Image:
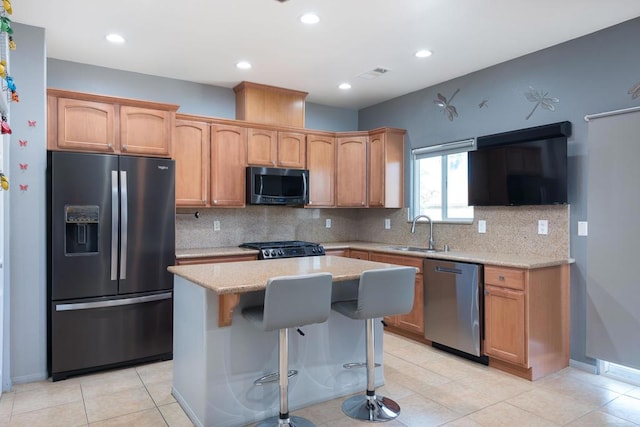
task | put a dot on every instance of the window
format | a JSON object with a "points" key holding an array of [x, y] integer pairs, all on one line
{"points": [[440, 181]]}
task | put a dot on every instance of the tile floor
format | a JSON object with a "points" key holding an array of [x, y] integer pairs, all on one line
{"points": [[432, 388]]}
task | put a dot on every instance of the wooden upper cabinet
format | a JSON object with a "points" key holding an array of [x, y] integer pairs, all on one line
{"points": [[292, 149], [274, 148], [145, 131], [321, 162], [262, 146], [76, 124], [105, 124], [386, 168], [269, 104], [351, 177], [228, 165], [191, 153]]}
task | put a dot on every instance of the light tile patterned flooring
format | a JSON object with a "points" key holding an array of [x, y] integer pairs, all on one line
{"points": [[432, 388]]}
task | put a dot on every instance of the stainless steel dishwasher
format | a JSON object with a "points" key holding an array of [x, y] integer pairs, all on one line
{"points": [[453, 307]]}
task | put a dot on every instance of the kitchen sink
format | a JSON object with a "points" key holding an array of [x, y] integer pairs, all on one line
{"points": [[412, 249]]}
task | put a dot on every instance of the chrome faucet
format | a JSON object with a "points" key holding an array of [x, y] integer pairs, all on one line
{"points": [[413, 230]]}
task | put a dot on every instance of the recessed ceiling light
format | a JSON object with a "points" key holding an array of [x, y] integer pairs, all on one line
{"points": [[344, 86], [310, 18], [243, 65], [423, 53], [115, 38]]}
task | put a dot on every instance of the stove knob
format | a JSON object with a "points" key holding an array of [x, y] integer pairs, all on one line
{"points": [[313, 250], [281, 252], [273, 252]]}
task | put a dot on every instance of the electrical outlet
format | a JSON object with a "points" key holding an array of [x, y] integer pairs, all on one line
{"points": [[216, 225], [482, 226], [327, 222], [543, 226], [387, 224], [583, 228]]}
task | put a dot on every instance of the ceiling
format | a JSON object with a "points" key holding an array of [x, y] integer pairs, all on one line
{"points": [[201, 41]]}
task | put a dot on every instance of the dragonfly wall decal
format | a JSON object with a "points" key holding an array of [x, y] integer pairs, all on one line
{"points": [[541, 100], [446, 106]]}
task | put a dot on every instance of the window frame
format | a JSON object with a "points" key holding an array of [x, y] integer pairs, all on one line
{"points": [[442, 151]]}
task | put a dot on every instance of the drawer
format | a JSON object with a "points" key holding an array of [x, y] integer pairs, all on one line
{"points": [[398, 259], [504, 277]]}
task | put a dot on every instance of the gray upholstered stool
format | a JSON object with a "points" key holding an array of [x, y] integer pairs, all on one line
{"points": [[380, 293], [290, 302]]}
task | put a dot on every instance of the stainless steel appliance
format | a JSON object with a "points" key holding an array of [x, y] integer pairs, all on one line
{"points": [[452, 307], [277, 186], [285, 249], [110, 238]]}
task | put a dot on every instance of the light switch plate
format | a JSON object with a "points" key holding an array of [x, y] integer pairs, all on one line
{"points": [[583, 228], [216, 225], [327, 222], [387, 224], [482, 226], [543, 226]]}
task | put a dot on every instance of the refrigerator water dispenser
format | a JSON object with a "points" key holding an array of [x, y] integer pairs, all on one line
{"points": [[81, 234]]}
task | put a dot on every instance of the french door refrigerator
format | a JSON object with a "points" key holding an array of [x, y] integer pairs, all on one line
{"points": [[110, 238]]}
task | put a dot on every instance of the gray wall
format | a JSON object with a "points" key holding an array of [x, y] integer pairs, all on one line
{"points": [[588, 75], [193, 98], [27, 348]]}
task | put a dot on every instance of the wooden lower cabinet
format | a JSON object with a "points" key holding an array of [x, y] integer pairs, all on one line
{"points": [[337, 252], [354, 253], [412, 322], [527, 319]]}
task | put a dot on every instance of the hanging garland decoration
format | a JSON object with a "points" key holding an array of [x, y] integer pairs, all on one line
{"points": [[6, 35]]}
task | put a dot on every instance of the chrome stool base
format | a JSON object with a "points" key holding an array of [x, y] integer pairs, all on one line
{"points": [[293, 422], [371, 408]]}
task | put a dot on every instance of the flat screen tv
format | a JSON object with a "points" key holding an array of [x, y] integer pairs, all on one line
{"points": [[525, 167]]}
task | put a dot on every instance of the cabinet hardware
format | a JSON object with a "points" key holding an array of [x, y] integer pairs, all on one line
{"points": [[501, 278]]}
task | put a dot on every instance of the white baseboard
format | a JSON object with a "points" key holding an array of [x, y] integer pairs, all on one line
{"points": [[587, 367]]}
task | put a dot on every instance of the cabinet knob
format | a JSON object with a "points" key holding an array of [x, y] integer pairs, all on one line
{"points": [[110, 147], [486, 292], [124, 148]]}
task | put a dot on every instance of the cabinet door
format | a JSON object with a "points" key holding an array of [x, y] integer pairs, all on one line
{"points": [[321, 162], [292, 150], [351, 180], [261, 147], [145, 131], [191, 153], [376, 170], [354, 253], [505, 334], [84, 126], [228, 165], [414, 320]]}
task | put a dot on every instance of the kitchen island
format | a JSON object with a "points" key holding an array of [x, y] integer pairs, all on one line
{"points": [[218, 354]]}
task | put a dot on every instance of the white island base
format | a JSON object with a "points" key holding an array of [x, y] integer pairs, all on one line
{"points": [[214, 367]]}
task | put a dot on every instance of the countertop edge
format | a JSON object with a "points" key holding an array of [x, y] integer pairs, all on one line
{"points": [[497, 259]]}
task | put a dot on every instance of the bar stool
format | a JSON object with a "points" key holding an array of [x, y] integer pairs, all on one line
{"points": [[290, 301], [381, 293]]}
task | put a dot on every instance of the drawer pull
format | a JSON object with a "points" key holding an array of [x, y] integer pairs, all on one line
{"points": [[501, 278]]}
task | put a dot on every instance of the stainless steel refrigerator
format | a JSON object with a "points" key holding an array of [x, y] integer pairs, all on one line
{"points": [[111, 236]]}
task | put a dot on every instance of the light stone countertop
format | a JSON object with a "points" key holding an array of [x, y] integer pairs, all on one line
{"points": [[248, 276], [498, 259]]}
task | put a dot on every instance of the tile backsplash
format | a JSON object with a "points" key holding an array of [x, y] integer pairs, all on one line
{"points": [[509, 229]]}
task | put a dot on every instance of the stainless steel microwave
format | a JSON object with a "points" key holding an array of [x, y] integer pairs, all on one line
{"points": [[275, 186]]}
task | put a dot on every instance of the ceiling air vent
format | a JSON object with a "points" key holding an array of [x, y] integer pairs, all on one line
{"points": [[375, 73]]}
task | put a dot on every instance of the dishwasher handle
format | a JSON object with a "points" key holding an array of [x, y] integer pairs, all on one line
{"points": [[448, 270]]}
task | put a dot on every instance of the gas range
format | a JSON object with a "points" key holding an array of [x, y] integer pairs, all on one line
{"points": [[285, 249]]}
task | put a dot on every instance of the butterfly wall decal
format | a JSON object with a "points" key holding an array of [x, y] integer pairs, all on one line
{"points": [[32, 123], [23, 142], [24, 187], [23, 166]]}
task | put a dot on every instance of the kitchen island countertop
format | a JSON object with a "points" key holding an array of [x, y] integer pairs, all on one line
{"points": [[248, 276]]}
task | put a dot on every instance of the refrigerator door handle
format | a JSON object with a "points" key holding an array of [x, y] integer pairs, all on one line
{"points": [[114, 225], [125, 220], [112, 303]]}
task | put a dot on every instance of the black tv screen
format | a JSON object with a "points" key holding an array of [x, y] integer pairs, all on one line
{"points": [[523, 173]]}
